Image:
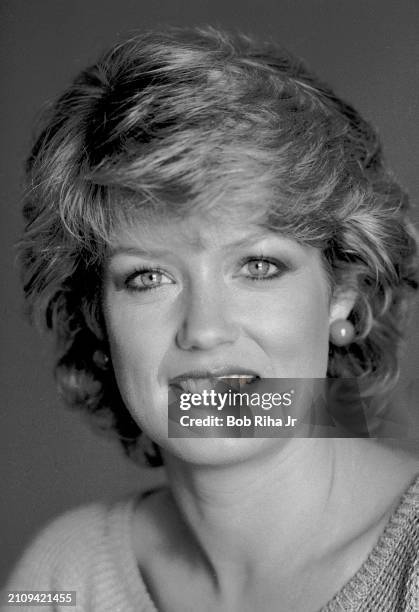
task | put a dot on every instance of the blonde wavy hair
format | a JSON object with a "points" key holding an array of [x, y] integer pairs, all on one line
{"points": [[187, 119]]}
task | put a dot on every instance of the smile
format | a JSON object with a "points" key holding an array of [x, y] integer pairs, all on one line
{"points": [[200, 384]]}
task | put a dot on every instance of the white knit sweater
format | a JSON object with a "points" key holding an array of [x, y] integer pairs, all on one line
{"points": [[89, 550]]}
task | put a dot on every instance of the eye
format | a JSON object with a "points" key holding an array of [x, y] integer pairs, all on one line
{"points": [[261, 268], [145, 279]]}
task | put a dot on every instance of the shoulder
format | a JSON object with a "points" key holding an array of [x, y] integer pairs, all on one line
{"points": [[382, 474], [74, 525], [67, 547], [378, 481], [87, 550], [391, 503], [395, 559]]}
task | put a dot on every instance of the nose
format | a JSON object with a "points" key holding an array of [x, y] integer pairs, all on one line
{"points": [[207, 320]]}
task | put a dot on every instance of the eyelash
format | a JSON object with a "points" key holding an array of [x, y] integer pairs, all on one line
{"points": [[137, 272], [281, 267]]}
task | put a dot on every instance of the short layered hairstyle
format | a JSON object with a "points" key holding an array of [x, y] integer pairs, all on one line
{"points": [[187, 120]]}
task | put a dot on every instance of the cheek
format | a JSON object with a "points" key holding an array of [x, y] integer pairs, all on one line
{"points": [[137, 349], [293, 329], [137, 336], [312, 335]]}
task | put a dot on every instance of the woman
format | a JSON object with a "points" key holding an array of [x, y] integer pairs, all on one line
{"points": [[201, 209]]}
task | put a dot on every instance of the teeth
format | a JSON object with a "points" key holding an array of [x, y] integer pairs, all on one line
{"points": [[198, 385], [242, 379]]}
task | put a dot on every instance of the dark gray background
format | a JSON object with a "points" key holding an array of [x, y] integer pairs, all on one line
{"points": [[367, 49]]}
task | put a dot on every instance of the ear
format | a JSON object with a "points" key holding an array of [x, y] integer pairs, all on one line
{"points": [[341, 304]]}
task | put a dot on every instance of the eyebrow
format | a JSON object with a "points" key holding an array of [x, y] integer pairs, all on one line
{"points": [[198, 245], [132, 250]]}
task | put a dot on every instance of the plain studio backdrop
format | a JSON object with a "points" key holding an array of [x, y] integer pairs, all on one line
{"points": [[368, 50]]}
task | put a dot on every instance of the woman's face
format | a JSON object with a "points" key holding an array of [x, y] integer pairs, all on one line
{"points": [[204, 295]]}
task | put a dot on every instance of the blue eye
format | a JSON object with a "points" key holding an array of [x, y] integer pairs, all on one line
{"points": [[146, 279], [261, 268]]}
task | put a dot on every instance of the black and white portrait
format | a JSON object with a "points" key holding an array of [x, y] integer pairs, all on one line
{"points": [[210, 278]]}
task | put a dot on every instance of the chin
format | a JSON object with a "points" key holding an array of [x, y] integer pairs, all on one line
{"points": [[219, 451]]}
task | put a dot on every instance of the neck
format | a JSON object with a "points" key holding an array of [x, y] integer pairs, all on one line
{"points": [[259, 512]]}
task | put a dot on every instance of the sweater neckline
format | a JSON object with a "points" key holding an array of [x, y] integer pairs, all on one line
{"points": [[359, 586], [352, 592]]}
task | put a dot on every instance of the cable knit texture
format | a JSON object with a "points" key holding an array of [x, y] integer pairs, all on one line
{"points": [[89, 550]]}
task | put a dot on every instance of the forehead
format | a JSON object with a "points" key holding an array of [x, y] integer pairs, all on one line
{"points": [[196, 234], [198, 231]]}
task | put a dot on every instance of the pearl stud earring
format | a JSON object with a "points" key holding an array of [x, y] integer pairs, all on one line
{"points": [[341, 332]]}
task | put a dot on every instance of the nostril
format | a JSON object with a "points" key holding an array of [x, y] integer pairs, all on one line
{"points": [[205, 336]]}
